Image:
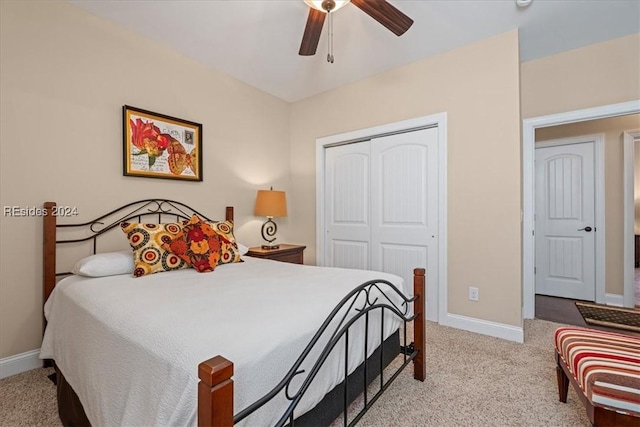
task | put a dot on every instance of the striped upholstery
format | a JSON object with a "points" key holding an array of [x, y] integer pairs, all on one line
{"points": [[606, 366]]}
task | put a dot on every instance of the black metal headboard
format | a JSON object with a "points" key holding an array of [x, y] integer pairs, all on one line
{"points": [[148, 209]]}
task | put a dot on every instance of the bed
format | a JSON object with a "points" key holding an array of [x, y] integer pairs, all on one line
{"points": [[288, 341]]}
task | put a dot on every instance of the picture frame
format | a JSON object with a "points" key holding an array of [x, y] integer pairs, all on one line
{"points": [[159, 146]]}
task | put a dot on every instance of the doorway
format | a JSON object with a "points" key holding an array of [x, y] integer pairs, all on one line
{"points": [[528, 174]]}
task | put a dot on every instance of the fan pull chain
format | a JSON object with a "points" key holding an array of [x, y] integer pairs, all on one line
{"points": [[330, 54]]}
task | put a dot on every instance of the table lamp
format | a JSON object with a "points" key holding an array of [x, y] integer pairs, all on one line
{"points": [[271, 204]]}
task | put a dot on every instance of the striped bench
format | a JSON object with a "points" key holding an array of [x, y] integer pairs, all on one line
{"points": [[604, 369]]}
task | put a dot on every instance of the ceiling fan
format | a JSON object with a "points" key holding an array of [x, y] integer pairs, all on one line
{"points": [[380, 10]]}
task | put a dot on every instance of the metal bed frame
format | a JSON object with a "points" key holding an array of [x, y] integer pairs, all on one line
{"points": [[215, 389]]}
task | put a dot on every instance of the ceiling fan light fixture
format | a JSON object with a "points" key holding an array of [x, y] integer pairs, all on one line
{"points": [[523, 3], [319, 10], [321, 4]]}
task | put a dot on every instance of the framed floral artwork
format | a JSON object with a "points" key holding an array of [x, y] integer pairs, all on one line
{"points": [[160, 146]]}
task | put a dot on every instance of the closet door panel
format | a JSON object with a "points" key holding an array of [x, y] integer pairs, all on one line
{"points": [[347, 200], [404, 211]]}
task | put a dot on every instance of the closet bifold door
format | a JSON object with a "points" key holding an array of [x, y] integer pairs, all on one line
{"points": [[347, 206], [404, 207], [381, 206]]}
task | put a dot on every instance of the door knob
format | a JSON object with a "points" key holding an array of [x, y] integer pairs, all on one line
{"points": [[587, 229]]}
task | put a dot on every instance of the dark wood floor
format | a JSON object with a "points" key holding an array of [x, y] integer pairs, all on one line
{"points": [[559, 310], [564, 310]]}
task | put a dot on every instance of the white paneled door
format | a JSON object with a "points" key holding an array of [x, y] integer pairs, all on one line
{"points": [[565, 221], [347, 206], [381, 201]]}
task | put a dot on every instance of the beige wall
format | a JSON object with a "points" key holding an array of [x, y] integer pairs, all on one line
{"points": [[592, 76], [64, 77], [612, 129], [478, 86]]}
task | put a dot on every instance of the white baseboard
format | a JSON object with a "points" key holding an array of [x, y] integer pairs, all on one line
{"points": [[485, 327], [614, 299], [20, 363]]}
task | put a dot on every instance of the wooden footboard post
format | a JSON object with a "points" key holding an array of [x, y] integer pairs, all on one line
{"points": [[215, 393], [419, 367]]}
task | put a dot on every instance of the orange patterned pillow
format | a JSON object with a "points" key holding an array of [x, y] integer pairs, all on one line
{"points": [[146, 240], [229, 251], [197, 244]]}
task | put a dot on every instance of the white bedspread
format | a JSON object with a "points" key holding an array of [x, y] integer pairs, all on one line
{"points": [[130, 347]]}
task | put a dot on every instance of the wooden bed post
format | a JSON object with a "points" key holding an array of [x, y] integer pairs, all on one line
{"points": [[48, 251], [48, 261], [419, 367], [215, 393]]}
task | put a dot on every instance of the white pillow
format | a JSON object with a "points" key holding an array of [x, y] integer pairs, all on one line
{"points": [[242, 248], [105, 264]]}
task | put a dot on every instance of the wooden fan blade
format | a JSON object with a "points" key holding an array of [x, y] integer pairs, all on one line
{"points": [[312, 32], [386, 14]]}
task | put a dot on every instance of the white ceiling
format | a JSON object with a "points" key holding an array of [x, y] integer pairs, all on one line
{"points": [[257, 41]]}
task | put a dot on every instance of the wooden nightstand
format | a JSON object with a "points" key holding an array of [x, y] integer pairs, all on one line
{"points": [[286, 253]]}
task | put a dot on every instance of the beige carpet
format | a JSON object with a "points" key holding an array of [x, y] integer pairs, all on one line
{"points": [[29, 399], [472, 380]]}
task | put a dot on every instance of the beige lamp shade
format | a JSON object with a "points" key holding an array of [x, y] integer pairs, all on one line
{"points": [[271, 203]]}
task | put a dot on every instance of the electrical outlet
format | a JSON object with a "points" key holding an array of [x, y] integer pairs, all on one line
{"points": [[474, 294]]}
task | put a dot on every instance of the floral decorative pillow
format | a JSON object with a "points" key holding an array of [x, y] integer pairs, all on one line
{"points": [[146, 240], [198, 244]]}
